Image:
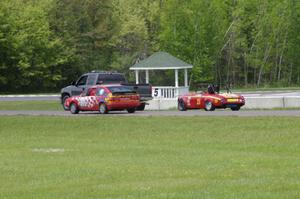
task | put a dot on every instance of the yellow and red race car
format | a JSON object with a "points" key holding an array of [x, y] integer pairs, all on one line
{"points": [[210, 100]]}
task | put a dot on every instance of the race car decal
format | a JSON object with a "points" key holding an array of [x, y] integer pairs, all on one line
{"points": [[87, 101], [82, 102]]}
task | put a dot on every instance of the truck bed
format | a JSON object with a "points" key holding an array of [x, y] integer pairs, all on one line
{"points": [[144, 90]]}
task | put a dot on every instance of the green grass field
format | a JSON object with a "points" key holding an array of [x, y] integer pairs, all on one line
{"points": [[149, 157], [31, 105]]}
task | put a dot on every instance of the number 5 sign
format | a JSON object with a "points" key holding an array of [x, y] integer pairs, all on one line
{"points": [[155, 92]]}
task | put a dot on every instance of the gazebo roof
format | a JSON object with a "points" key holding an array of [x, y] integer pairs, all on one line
{"points": [[160, 61]]}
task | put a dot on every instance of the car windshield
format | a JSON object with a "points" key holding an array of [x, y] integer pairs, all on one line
{"points": [[121, 89]]}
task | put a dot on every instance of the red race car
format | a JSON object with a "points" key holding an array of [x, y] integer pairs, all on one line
{"points": [[104, 98], [210, 100]]}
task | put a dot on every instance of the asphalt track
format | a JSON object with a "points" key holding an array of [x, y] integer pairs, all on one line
{"points": [[241, 113], [189, 113]]}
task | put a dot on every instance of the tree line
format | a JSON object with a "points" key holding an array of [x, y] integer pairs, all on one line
{"points": [[45, 44]]}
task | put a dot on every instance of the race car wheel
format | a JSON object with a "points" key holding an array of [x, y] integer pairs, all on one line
{"points": [[131, 110], [237, 108], [209, 106], [103, 108], [65, 97], [74, 109], [141, 107], [181, 105]]}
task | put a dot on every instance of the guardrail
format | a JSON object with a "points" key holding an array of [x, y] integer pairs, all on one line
{"points": [[270, 102]]}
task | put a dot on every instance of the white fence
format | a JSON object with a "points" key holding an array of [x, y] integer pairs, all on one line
{"points": [[163, 92]]}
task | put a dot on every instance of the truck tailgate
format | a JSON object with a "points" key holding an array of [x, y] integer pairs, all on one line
{"points": [[144, 90]]}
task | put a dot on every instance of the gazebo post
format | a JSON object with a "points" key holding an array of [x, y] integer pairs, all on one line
{"points": [[147, 76], [176, 78], [136, 76], [176, 83], [185, 77]]}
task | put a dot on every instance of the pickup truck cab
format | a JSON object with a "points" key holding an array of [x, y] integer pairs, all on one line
{"points": [[93, 78]]}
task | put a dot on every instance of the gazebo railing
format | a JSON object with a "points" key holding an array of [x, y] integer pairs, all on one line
{"points": [[168, 92]]}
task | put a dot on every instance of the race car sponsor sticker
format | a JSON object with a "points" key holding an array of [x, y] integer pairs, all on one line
{"points": [[232, 100]]}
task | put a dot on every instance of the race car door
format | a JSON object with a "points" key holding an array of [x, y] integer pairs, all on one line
{"points": [[89, 102], [195, 101]]}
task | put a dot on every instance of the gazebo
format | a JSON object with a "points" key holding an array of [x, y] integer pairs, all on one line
{"points": [[164, 61]]}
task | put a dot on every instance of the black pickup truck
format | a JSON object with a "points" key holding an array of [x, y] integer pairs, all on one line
{"points": [[103, 77]]}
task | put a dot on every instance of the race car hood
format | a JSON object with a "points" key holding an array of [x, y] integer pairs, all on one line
{"points": [[229, 95]]}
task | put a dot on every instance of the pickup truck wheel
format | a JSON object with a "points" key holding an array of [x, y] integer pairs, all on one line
{"points": [[103, 108], [65, 97], [131, 110], [181, 105], [74, 109], [141, 107], [237, 108], [209, 106]]}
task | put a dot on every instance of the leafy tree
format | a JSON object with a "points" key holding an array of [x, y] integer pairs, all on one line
{"points": [[33, 54], [190, 33], [135, 34], [45, 44], [85, 28]]}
